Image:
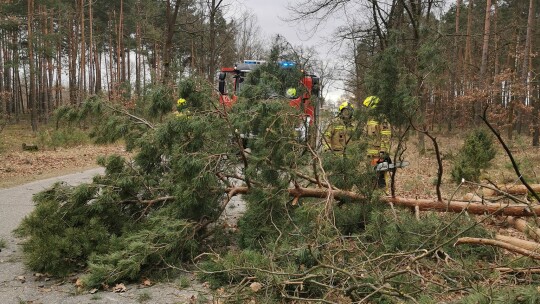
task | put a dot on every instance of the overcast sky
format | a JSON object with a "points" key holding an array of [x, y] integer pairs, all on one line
{"points": [[271, 15]]}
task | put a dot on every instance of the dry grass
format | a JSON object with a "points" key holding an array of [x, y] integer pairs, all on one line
{"points": [[419, 178], [18, 166]]}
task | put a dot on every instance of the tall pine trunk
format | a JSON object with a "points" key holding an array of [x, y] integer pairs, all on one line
{"points": [[32, 73]]}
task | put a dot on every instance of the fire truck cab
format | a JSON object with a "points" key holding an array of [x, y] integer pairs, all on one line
{"points": [[309, 82]]}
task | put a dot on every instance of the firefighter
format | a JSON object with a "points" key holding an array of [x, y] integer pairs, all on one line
{"points": [[338, 132], [378, 135], [181, 108]]}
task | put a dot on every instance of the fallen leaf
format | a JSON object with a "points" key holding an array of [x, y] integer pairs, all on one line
{"points": [[22, 279], [79, 283], [93, 291], [120, 288], [147, 282], [255, 286]]}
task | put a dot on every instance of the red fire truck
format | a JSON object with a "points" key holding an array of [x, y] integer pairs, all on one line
{"points": [[304, 102]]}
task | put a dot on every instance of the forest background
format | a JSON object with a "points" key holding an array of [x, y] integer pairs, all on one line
{"points": [[57, 52]]}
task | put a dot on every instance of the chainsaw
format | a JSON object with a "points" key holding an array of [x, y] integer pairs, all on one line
{"points": [[385, 166]]}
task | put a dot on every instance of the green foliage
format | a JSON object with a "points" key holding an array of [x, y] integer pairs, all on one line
{"points": [[62, 138], [141, 214], [475, 155], [197, 92], [393, 86], [402, 233], [508, 295], [162, 240], [235, 267], [184, 282], [265, 212], [161, 101], [351, 218], [3, 243], [98, 115], [349, 170], [64, 230], [163, 206]]}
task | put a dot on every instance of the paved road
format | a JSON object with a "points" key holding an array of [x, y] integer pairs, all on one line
{"points": [[20, 285]]}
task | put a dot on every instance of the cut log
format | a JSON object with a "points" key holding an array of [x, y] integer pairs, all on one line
{"points": [[423, 204], [459, 206], [528, 245], [510, 189], [526, 228], [471, 197], [26, 147], [500, 244]]}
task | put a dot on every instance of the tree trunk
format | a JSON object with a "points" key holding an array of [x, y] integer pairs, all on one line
{"points": [[138, 56], [527, 47], [91, 62], [421, 204], [524, 227], [72, 59], [468, 52], [82, 70], [528, 245], [58, 85], [32, 73], [485, 44], [455, 80], [212, 51], [501, 244], [510, 189], [167, 50]]}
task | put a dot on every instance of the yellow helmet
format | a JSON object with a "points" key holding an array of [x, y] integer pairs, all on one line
{"points": [[371, 101], [181, 104], [291, 92], [344, 105]]}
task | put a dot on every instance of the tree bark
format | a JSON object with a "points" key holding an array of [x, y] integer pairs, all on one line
{"points": [[82, 70], [422, 204], [511, 189], [524, 227], [527, 245], [485, 44], [32, 73], [167, 50], [504, 245]]}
